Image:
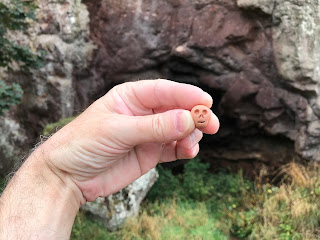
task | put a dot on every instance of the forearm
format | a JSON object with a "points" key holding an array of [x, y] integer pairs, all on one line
{"points": [[37, 204]]}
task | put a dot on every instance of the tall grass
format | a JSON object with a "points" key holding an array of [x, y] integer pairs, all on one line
{"points": [[197, 204], [292, 210]]}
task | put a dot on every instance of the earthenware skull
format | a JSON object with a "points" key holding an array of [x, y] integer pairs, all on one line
{"points": [[201, 115]]}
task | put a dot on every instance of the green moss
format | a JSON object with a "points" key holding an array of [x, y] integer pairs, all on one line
{"points": [[53, 127]]}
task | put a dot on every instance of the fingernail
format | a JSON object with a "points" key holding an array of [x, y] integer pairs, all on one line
{"points": [[182, 121]]}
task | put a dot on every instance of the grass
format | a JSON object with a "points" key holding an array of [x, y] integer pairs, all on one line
{"points": [[199, 205], [169, 220], [173, 220], [291, 211], [86, 227]]}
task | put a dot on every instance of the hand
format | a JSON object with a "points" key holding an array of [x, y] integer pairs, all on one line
{"points": [[126, 133]]}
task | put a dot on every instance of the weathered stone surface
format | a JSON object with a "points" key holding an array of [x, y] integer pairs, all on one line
{"points": [[116, 208], [62, 31], [295, 35], [11, 142], [258, 58]]}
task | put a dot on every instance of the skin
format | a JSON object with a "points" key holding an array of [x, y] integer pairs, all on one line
{"points": [[116, 140]]}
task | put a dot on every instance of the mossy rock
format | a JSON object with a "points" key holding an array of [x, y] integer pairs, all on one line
{"points": [[53, 127]]}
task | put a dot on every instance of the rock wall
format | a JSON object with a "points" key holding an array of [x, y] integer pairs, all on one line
{"points": [[63, 32], [296, 42], [258, 59]]}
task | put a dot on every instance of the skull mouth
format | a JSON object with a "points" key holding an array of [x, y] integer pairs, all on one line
{"points": [[201, 121]]}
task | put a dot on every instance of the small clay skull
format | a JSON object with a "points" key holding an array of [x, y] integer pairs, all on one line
{"points": [[201, 116]]}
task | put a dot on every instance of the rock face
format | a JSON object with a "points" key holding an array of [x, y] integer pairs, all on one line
{"points": [[115, 209], [295, 36], [63, 32], [258, 59]]}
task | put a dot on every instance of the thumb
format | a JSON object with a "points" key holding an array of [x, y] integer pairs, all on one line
{"points": [[164, 127]]}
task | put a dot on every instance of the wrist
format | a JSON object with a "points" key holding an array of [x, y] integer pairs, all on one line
{"points": [[58, 180], [37, 202]]}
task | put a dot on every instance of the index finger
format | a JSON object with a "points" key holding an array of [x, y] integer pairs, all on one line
{"points": [[155, 94]]}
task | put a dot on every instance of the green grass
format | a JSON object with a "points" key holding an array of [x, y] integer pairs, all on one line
{"points": [[86, 227], [173, 220]]}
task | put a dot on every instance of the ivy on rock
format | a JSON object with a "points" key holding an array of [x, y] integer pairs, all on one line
{"points": [[16, 15]]}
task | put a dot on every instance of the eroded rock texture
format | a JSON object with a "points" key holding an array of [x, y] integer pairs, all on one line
{"points": [[63, 32]]}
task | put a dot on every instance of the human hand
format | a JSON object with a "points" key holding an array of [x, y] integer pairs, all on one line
{"points": [[126, 133]]}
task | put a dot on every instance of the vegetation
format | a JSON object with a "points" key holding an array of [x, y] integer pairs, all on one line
{"points": [[86, 227], [201, 205], [9, 95], [53, 127], [15, 16], [291, 211]]}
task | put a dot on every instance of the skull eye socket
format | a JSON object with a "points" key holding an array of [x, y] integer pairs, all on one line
{"points": [[197, 111], [204, 112]]}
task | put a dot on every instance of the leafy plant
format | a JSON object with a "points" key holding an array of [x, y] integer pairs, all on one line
{"points": [[15, 16], [195, 179], [9, 95], [167, 181]]}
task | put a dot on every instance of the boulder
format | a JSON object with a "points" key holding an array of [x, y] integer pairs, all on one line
{"points": [[115, 209]]}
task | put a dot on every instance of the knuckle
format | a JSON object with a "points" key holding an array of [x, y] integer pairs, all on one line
{"points": [[158, 127]]}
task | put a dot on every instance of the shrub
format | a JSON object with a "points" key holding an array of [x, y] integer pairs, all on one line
{"points": [[195, 180], [167, 186], [9, 95], [15, 16]]}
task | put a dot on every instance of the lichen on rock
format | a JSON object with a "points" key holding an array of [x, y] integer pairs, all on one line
{"points": [[115, 209]]}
